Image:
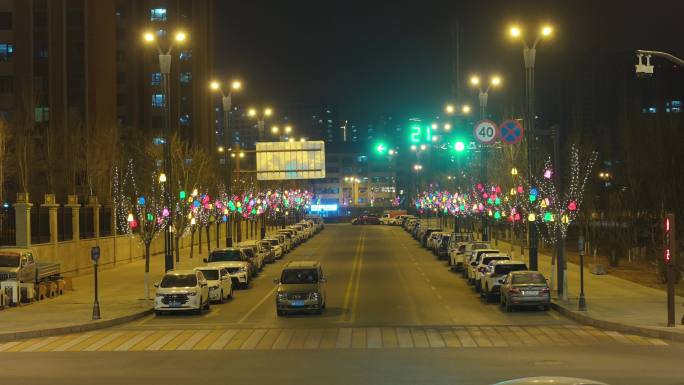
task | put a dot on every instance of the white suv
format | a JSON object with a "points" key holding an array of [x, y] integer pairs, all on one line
{"points": [[459, 252], [494, 276], [482, 267], [234, 260], [181, 290], [474, 260]]}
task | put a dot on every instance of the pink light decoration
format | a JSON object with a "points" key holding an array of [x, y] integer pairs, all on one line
{"points": [[520, 189], [572, 206], [485, 195], [548, 173], [498, 189], [165, 212]]}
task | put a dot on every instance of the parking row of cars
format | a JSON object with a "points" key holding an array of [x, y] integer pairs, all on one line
{"points": [[228, 268], [492, 273]]}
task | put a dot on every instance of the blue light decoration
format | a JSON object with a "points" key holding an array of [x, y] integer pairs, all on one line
{"points": [[196, 203], [141, 201]]}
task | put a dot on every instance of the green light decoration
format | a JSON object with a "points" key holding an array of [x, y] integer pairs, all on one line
{"points": [[497, 201], [548, 217], [239, 210], [212, 218], [182, 195], [533, 198], [497, 215], [150, 217], [490, 201], [231, 206]]}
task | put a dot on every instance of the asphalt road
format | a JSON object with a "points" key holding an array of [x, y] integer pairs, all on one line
{"points": [[395, 315]]}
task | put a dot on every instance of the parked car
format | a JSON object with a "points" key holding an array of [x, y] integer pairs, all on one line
{"points": [[550, 380], [255, 253], [430, 241], [366, 220], [442, 248], [274, 250], [496, 272], [475, 260], [301, 287], [182, 290], [252, 259], [460, 251], [235, 261], [426, 234], [22, 264], [287, 238], [481, 268], [525, 288], [219, 282]]}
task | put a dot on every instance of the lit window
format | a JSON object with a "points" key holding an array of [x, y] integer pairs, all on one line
{"points": [[185, 119], [42, 114], [157, 100], [158, 141], [185, 77], [158, 14], [156, 79], [652, 110], [676, 103], [6, 51]]}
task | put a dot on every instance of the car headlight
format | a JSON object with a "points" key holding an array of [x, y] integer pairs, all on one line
{"points": [[160, 295], [192, 293], [282, 296], [313, 296], [242, 270]]}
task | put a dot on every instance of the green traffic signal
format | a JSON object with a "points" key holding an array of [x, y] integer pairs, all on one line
{"points": [[381, 148], [459, 146]]}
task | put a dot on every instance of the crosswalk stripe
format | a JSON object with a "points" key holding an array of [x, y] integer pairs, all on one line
{"points": [[569, 336], [619, 337], [510, 337], [205, 342], [133, 341], [238, 339], [57, 342], [553, 336], [147, 341], [269, 339], [419, 338], [329, 339], [313, 339], [113, 344], [102, 342], [435, 339], [193, 340], [497, 339], [656, 341], [40, 344], [526, 338], [298, 339], [389, 338], [358, 338], [70, 343], [374, 338], [179, 340], [165, 339], [450, 338], [464, 337], [223, 340], [23, 345], [8, 345], [283, 339], [479, 337], [582, 334], [252, 341], [344, 337], [404, 338]]}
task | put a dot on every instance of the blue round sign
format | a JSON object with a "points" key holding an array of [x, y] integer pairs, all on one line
{"points": [[511, 132]]}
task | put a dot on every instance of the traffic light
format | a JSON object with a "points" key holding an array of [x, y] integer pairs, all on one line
{"points": [[380, 148], [459, 146], [668, 238]]}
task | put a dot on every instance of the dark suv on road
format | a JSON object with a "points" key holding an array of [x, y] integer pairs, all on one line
{"points": [[301, 287]]}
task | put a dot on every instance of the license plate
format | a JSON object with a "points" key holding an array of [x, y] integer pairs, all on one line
{"points": [[175, 304], [531, 292], [298, 303]]}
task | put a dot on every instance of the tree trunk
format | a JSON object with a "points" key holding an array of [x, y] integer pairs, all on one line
{"points": [[208, 229], [147, 269], [218, 233], [192, 241], [176, 241], [199, 244]]}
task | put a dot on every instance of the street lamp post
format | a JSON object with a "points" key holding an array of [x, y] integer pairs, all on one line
{"points": [[483, 95], [165, 69], [226, 103], [529, 56], [261, 124]]}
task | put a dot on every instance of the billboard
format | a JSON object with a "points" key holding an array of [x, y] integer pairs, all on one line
{"points": [[290, 160]]}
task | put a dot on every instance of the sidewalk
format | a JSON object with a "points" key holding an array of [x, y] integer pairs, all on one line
{"points": [[121, 298]]}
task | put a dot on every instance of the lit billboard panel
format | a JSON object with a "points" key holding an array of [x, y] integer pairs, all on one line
{"points": [[290, 160]]}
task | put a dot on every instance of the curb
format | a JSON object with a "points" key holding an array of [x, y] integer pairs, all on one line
{"points": [[78, 328], [623, 328]]}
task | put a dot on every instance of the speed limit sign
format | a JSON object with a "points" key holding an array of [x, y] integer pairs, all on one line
{"points": [[485, 131]]}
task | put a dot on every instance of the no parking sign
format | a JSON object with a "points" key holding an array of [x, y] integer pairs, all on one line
{"points": [[511, 132]]}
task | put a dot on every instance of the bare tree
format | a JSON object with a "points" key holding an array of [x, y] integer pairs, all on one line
{"points": [[5, 137]]}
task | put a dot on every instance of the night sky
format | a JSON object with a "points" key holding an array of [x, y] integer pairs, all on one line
{"points": [[373, 58]]}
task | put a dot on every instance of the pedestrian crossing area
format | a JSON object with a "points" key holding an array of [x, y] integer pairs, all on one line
{"points": [[329, 338]]}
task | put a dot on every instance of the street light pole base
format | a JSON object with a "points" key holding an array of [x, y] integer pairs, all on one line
{"points": [[96, 311], [582, 304]]}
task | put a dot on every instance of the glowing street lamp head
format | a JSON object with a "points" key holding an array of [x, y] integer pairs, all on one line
{"points": [[474, 80], [515, 31], [236, 85], [413, 147], [181, 37], [162, 177], [449, 108], [423, 147], [221, 149], [288, 129], [214, 85], [547, 30], [291, 140], [466, 109], [242, 155], [302, 140], [496, 81], [148, 37], [251, 112], [447, 126], [274, 129], [268, 112]]}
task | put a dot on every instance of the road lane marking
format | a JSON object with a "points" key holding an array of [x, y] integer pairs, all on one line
{"points": [[434, 338], [269, 339], [133, 341], [358, 338], [102, 342], [389, 338], [253, 340], [194, 340], [404, 338], [344, 337], [357, 284], [419, 338], [257, 305], [313, 339], [73, 342], [238, 339], [464, 337], [165, 339], [283, 339], [39, 344], [348, 304], [374, 338]]}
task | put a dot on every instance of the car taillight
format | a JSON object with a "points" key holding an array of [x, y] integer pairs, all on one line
{"points": [[545, 290], [515, 290]]}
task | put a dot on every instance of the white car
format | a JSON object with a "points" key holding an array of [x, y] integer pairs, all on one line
{"points": [[274, 244], [219, 282], [482, 267], [234, 260], [286, 239], [181, 290], [460, 251], [496, 272], [386, 219], [474, 261], [274, 251], [253, 251]]}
